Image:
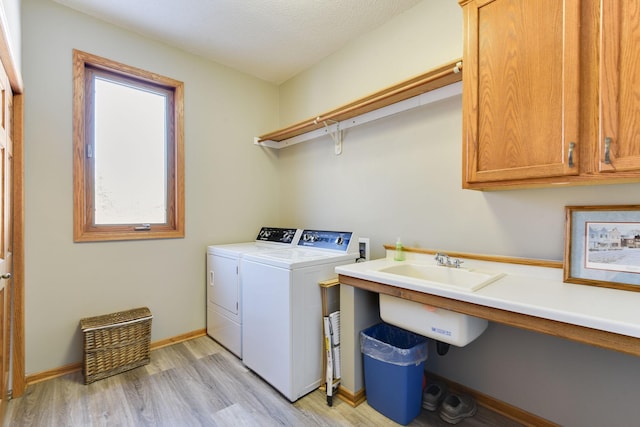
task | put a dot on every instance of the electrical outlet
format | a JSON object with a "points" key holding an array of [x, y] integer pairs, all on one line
{"points": [[365, 254]]}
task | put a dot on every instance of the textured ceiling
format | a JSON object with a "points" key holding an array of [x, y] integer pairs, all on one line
{"points": [[270, 39]]}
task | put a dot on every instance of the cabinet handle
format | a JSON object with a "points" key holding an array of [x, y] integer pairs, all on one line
{"points": [[572, 145], [607, 150]]}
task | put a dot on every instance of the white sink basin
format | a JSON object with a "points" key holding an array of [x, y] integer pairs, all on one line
{"points": [[437, 323], [459, 278]]}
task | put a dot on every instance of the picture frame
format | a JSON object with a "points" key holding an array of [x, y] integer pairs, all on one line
{"points": [[602, 246]]}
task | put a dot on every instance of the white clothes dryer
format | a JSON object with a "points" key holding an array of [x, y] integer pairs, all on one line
{"points": [[282, 308], [224, 297]]}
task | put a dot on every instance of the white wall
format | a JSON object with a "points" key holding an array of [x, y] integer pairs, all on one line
{"points": [[231, 186], [401, 176], [376, 60]]}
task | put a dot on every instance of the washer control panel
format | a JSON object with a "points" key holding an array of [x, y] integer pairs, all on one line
{"points": [[278, 235], [335, 240]]}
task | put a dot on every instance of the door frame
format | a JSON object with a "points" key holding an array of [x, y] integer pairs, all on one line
{"points": [[7, 58], [18, 374]]}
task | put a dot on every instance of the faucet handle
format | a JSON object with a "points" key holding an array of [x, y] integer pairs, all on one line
{"points": [[456, 262]]}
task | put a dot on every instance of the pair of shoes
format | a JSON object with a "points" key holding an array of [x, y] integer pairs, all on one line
{"points": [[433, 395], [457, 407]]}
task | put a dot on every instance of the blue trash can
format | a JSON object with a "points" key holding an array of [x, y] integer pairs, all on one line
{"points": [[393, 369]]}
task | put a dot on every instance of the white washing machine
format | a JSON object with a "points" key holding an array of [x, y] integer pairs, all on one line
{"points": [[224, 303], [282, 308]]}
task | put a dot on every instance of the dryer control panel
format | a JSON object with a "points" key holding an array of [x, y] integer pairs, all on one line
{"points": [[335, 240], [278, 235]]}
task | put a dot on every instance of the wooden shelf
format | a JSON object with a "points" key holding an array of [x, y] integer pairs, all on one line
{"points": [[434, 79]]}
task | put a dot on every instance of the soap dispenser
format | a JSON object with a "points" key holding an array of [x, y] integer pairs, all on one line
{"points": [[399, 256]]}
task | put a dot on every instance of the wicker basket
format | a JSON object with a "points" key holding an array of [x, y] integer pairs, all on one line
{"points": [[116, 342]]}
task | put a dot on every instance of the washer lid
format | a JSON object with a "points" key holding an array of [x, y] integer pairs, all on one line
{"points": [[295, 258]]}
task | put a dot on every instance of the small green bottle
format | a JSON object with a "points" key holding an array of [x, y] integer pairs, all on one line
{"points": [[399, 251]]}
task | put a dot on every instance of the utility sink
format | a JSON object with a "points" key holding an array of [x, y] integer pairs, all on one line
{"points": [[442, 325], [459, 278]]}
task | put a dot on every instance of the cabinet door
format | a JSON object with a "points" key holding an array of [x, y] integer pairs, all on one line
{"points": [[521, 92], [224, 282], [619, 133]]}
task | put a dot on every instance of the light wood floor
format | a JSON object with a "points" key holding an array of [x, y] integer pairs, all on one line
{"points": [[194, 383]]}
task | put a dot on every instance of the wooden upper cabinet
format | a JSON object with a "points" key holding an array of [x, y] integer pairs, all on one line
{"points": [[619, 106], [521, 90]]}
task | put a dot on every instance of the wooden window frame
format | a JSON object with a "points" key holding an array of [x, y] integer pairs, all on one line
{"points": [[84, 229]]}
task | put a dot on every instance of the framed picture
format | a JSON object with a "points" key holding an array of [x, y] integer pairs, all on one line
{"points": [[602, 246]]}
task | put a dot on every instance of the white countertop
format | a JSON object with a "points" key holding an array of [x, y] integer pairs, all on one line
{"points": [[531, 290]]}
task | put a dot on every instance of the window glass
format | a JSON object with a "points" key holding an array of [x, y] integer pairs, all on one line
{"points": [[130, 154]]}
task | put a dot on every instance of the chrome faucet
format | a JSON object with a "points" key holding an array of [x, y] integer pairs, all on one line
{"points": [[444, 260], [440, 259]]}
